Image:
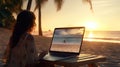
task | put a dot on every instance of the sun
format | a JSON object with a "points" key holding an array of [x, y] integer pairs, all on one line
{"points": [[91, 25]]}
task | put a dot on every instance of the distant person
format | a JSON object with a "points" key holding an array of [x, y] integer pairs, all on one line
{"points": [[21, 50], [64, 41]]}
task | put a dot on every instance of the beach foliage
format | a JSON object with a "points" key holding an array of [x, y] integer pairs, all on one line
{"points": [[10, 7], [58, 3], [7, 8], [39, 4]]}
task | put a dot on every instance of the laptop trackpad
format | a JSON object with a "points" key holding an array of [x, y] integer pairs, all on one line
{"points": [[52, 58]]}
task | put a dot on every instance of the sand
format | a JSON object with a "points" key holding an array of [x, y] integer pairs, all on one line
{"points": [[110, 50]]}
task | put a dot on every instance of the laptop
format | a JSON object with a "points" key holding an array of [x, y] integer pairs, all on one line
{"points": [[66, 43]]}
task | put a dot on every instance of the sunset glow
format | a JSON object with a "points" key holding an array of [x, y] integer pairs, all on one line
{"points": [[75, 13], [90, 36], [91, 25]]}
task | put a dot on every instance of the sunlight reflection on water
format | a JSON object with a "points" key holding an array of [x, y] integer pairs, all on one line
{"points": [[101, 37]]}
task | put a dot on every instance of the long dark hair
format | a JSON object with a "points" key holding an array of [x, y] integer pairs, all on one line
{"points": [[24, 23]]}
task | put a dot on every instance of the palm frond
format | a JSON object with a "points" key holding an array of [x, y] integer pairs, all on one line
{"points": [[59, 4], [14, 5], [90, 2], [29, 4], [39, 2]]}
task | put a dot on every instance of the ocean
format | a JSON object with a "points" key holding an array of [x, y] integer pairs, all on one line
{"points": [[103, 36], [100, 36]]}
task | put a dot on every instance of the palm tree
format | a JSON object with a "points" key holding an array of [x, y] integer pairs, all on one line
{"points": [[39, 4], [29, 4], [58, 3], [15, 6]]}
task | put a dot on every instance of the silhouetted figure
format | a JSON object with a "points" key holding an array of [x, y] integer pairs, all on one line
{"points": [[21, 50], [64, 41]]}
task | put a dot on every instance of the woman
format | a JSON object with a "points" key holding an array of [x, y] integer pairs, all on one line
{"points": [[21, 50]]}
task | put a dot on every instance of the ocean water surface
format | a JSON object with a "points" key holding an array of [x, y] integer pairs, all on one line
{"points": [[100, 36], [103, 36]]}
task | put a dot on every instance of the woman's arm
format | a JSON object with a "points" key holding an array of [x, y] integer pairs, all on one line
{"points": [[31, 48]]}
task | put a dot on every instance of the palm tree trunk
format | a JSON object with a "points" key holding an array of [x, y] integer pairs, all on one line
{"points": [[29, 4], [39, 19]]}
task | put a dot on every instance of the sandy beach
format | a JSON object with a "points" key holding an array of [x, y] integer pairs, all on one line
{"points": [[110, 50]]}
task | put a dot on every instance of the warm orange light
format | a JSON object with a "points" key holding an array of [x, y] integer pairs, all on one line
{"points": [[90, 36], [91, 25]]}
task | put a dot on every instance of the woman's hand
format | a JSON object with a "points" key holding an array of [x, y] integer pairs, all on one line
{"points": [[42, 54]]}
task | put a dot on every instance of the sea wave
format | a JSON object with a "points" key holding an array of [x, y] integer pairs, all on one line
{"points": [[111, 40], [103, 36], [116, 38]]}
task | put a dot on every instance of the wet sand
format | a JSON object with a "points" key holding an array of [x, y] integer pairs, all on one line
{"points": [[110, 50]]}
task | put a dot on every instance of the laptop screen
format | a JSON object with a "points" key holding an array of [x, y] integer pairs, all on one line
{"points": [[67, 39]]}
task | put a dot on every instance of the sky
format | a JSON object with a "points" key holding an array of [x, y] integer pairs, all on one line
{"points": [[105, 15]]}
